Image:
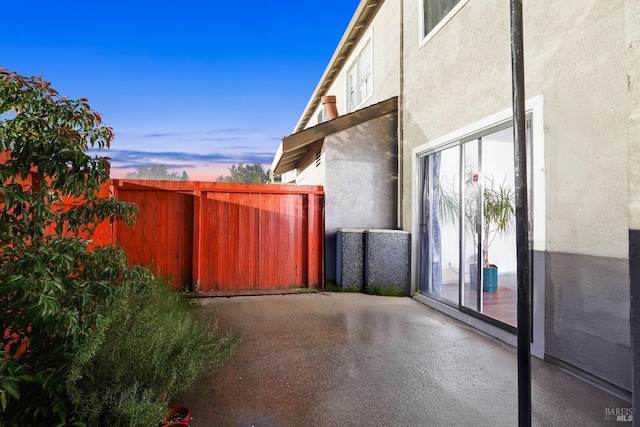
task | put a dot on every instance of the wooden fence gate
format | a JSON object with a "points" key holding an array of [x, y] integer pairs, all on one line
{"points": [[215, 238]]}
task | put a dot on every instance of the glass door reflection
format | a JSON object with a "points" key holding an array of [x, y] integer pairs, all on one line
{"points": [[470, 236], [497, 233], [467, 233], [439, 225]]}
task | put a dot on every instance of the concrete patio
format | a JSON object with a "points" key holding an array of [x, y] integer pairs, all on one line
{"points": [[341, 359]]}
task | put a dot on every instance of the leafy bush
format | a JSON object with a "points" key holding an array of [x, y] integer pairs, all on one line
{"points": [[87, 316], [152, 347]]}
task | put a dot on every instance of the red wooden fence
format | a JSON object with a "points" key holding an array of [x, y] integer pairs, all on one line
{"points": [[226, 238], [215, 238], [163, 234]]}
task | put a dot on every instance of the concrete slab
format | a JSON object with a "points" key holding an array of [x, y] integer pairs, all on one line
{"points": [[341, 359]]}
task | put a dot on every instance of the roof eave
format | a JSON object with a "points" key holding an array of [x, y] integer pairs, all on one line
{"points": [[359, 22], [293, 147]]}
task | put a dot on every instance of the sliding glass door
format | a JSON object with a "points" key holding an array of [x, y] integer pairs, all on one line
{"points": [[497, 232], [467, 232], [439, 225]]}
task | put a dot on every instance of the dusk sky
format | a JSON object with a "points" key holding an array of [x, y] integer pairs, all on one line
{"points": [[195, 85]]}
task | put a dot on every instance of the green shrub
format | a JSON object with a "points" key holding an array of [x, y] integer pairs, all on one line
{"points": [[108, 343], [333, 287], [387, 291], [154, 347]]}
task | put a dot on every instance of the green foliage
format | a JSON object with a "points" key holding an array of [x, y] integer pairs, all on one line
{"points": [[498, 209], [333, 287], [330, 286], [153, 347], [309, 290], [50, 282], [48, 135], [66, 299], [157, 172], [248, 174], [499, 212], [387, 291]]}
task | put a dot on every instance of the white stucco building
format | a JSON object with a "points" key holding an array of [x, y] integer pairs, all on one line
{"points": [[446, 67]]}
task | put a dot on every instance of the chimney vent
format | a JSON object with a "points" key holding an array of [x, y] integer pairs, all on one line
{"points": [[329, 102]]}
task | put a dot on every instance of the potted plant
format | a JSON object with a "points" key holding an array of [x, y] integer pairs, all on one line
{"points": [[499, 212]]}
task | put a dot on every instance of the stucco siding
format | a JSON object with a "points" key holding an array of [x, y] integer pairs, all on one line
{"points": [[453, 80], [632, 19], [582, 69], [582, 61], [361, 181], [588, 315], [463, 74], [311, 171], [386, 57], [586, 108]]}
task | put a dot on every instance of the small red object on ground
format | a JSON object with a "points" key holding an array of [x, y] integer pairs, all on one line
{"points": [[178, 416]]}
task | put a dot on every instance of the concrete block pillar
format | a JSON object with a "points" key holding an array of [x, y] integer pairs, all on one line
{"points": [[350, 258], [387, 259]]}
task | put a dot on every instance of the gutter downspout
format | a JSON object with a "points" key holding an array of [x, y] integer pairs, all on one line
{"points": [[400, 207]]}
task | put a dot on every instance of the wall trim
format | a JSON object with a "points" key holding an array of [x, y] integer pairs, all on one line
{"points": [[589, 378]]}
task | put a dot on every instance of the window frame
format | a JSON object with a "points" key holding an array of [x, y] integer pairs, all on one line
{"points": [[535, 111], [424, 38], [354, 61]]}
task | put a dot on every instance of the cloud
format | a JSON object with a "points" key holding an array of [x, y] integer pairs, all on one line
{"points": [[131, 159], [229, 130], [206, 153], [157, 135], [213, 135], [221, 138]]}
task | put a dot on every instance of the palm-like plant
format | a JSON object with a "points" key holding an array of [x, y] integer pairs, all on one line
{"points": [[499, 212], [498, 209]]}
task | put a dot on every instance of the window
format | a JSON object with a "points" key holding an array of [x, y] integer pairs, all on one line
{"points": [[322, 115], [360, 78], [436, 13]]}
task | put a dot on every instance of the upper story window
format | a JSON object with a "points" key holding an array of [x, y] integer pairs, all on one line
{"points": [[435, 14], [322, 115], [360, 77]]}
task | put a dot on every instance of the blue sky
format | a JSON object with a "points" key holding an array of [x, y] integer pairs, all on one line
{"points": [[195, 85]]}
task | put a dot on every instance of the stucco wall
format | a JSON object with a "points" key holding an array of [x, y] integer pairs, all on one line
{"points": [[633, 67], [453, 80], [361, 181], [576, 57], [310, 171], [633, 71], [463, 75], [587, 321]]}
